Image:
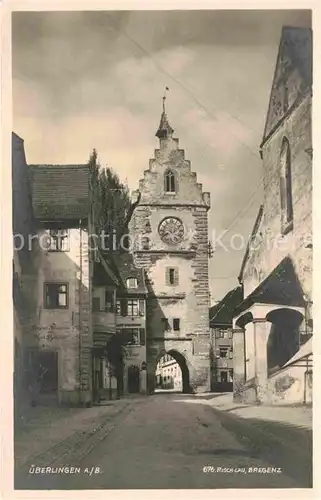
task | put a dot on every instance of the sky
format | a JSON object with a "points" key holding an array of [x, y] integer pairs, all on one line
{"points": [[84, 80]]}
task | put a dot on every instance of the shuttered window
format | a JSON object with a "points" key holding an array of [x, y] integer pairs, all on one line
{"points": [[123, 307], [142, 336], [109, 301], [96, 304], [141, 307]]}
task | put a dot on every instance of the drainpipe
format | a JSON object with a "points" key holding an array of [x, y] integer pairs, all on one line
{"points": [[240, 280], [79, 325], [306, 302]]}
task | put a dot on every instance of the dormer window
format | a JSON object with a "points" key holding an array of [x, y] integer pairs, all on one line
{"points": [[286, 188], [132, 283], [170, 182]]}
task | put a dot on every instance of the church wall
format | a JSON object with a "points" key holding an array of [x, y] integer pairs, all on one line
{"points": [[273, 245]]}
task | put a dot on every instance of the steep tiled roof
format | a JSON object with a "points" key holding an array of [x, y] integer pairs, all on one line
{"points": [[60, 191], [282, 287], [295, 50], [222, 313], [122, 264], [253, 235]]}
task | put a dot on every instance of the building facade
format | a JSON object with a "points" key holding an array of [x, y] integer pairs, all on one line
{"points": [[69, 298], [131, 323], [221, 327], [168, 374], [169, 228], [61, 340], [273, 326], [105, 284], [23, 272]]}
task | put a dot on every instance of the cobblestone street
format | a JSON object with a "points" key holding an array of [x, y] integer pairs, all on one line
{"points": [[171, 441]]}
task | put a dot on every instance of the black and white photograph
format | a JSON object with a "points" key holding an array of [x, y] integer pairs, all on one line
{"points": [[162, 251]]}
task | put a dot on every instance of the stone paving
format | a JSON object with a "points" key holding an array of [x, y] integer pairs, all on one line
{"points": [[49, 430], [299, 416], [187, 425], [169, 441]]}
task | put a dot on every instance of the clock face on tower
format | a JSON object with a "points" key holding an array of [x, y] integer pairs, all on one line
{"points": [[171, 230]]}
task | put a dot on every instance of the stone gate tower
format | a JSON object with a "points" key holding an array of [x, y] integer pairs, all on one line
{"points": [[169, 228]]}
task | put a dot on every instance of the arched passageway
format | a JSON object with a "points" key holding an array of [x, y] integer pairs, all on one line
{"points": [[172, 372], [284, 337]]}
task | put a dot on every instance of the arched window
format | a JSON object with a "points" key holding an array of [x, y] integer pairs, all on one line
{"points": [[286, 188], [170, 182]]}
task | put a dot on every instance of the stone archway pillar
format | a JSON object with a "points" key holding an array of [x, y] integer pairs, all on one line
{"points": [[261, 334], [125, 387], [143, 381], [199, 376], [238, 362], [150, 378]]}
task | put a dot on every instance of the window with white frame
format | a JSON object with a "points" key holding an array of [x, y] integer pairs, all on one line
{"points": [[58, 240], [132, 307], [132, 283], [56, 296]]}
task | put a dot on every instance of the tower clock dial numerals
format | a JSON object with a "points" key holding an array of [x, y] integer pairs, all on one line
{"points": [[171, 230]]}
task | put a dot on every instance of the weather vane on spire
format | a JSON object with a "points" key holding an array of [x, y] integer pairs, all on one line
{"points": [[164, 98], [164, 129]]}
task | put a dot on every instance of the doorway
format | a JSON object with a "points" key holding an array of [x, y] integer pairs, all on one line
{"points": [[133, 379], [42, 370]]}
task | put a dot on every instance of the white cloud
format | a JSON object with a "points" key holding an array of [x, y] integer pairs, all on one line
{"points": [[116, 109]]}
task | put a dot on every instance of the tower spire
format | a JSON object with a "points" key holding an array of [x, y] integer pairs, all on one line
{"points": [[164, 129]]}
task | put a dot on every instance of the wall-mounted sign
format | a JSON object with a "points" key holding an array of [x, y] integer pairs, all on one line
{"points": [[129, 325], [201, 346]]}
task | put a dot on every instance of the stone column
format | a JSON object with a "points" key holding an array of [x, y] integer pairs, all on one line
{"points": [[199, 366], [238, 363], [249, 351], [261, 332], [125, 380], [143, 381]]}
